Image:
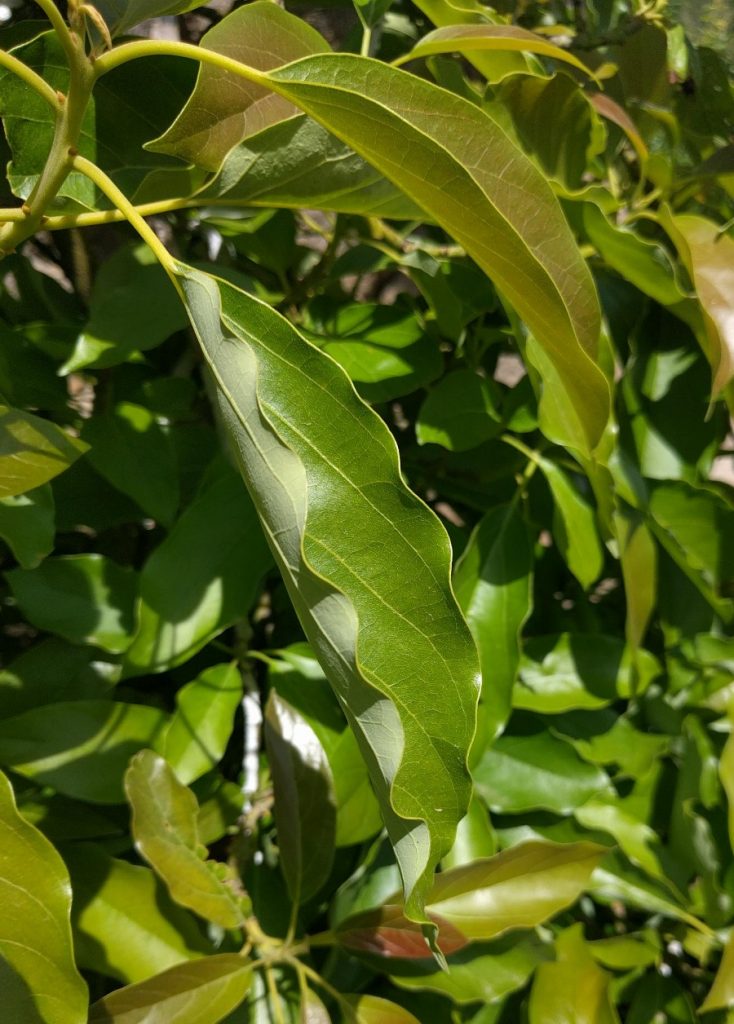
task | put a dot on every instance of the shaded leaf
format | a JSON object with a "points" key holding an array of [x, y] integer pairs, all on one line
{"points": [[313, 1010], [386, 575], [538, 771], [164, 824], [32, 451], [574, 526], [721, 994], [475, 837], [201, 725], [224, 109], [201, 579], [84, 598], [39, 980], [28, 525], [200, 992], [80, 747], [125, 924], [387, 932], [121, 15], [305, 814], [492, 582], [460, 412]]}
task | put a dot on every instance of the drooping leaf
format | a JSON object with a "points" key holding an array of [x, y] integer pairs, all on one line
{"points": [[726, 772], [129, 448], [305, 815], [32, 451], [201, 725], [492, 583], [28, 525], [133, 307], [402, 125], [466, 39], [125, 924], [224, 109], [84, 598], [200, 992], [708, 255], [475, 837], [297, 163], [574, 526], [721, 994], [312, 453], [164, 824], [639, 560], [99, 737], [39, 980], [460, 412], [202, 578], [522, 773], [574, 988]]}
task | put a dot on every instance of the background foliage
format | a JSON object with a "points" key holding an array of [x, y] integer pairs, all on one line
{"points": [[235, 723]]}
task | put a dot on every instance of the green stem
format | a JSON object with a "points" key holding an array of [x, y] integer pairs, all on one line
{"points": [[69, 42], [29, 76], [319, 982], [165, 48], [106, 185], [97, 217], [60, 158]]}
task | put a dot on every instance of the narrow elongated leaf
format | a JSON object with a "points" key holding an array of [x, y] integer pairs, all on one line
{"points": [[32, 451], [166, 834], [201, 992], [493, 586], [574, 526], [313, 457], [721, 993], [510, 223], [224, 109], [484, 38], [305, 814], [201, 725], [708, 255], [99, 738], [726, 772], [38, 978], [125, 924]]}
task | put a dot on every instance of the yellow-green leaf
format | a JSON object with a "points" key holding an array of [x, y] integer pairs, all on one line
{"points": [[32, 451]]}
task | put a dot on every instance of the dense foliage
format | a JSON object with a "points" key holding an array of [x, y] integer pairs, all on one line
{"points": [[430, 718]]}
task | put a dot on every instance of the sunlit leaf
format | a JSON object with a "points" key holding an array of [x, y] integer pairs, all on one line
{"points": [[721, 994], [460, 412], [39, 980], [202, 723], [121, 15], [574, 988], [164, 825], [374, 1010], [32, 451]]}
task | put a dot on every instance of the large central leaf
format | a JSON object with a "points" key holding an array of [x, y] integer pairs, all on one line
{"points": [[366, 564]]}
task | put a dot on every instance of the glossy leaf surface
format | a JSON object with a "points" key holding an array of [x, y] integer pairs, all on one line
{"points": [[32, 451], [202, 723]]}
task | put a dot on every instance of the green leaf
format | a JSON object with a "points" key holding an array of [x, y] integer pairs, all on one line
{"points": [[201, 579], [125, 924], [639, 560], [518, 888], [129, 448], [164, 824], [708, 255], [467, 39], [305, 814], [384, 349], [481, 973], [402, 125], [721, 993], [297, 163], [574, 989], [726, 773], [694, 526], [99, 737], [122, 15], [385, 931], [460, 412], [375, 1010], [28, 525], [201, 725], [32, 451], [605, 738], [579, 670], [387, 575], [84, 598], [39, 980], [201, 992], [616, 880], [493, 585], [475, 837], [133, 307], [574, 526], [537, 771], [224, 109]]}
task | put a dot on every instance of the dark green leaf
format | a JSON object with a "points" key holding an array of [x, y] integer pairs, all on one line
{"points": [[84, 598], [27, 525], [305, 813], [53, 671], [121, 15], [460, 412]]}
